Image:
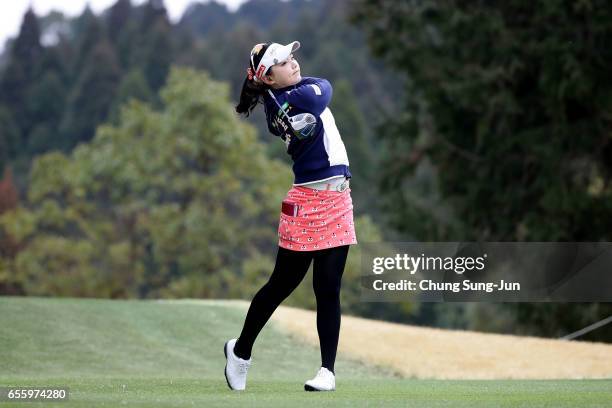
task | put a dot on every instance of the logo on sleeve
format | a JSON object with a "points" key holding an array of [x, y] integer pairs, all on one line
{"points": [[280, 123]]}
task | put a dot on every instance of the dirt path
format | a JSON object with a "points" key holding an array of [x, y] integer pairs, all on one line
{"points": [[418, 352]]}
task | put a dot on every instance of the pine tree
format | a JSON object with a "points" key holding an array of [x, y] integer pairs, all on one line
{"points": [[132, 86], [20, 74], [156, 43], [27, 49], [118, 18], [154, 11], [352, 127], [9, 136], [91, 34], [202, 18], [509, 101], [91, 99]]}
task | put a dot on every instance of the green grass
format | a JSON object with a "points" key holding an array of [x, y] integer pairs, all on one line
{"points": [[169, 354]]}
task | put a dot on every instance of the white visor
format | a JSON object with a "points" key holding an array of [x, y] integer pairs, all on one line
{"points": [[275, 54]]}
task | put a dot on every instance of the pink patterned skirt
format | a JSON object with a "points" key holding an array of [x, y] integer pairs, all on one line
{"points": [[324, 220]]}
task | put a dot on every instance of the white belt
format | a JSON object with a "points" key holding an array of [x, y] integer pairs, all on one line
{"points": [[337, 184]]}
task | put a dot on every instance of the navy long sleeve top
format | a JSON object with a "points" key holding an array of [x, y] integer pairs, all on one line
{"points": [[320, 156]]}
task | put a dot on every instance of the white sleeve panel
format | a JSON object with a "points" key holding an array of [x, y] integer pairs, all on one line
{"points": [[316, 88], [334, 146]]}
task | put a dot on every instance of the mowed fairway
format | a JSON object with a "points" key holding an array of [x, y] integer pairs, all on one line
{"points": [[169, 354]]}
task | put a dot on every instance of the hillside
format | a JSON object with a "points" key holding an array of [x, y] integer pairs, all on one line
{"points": [[421, 352]]}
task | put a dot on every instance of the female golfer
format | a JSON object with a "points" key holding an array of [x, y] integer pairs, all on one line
{"points": [[316, 219]]}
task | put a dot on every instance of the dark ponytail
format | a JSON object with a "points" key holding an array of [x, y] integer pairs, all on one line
{"points": [[251, 94], [252, 90]]}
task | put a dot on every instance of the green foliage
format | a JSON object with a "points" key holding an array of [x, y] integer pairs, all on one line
{"points": [[181, 202], [20, 73], [508, 100], [89, 103], [57, 95], [169, 202], [158, 53], [8, 192], [143, 205], [100, 62], [354, 129], [88, 33], [9, 136], [132, 86], [118, 18], [505, 134]]}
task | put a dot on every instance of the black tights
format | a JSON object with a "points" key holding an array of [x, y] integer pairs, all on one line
{"points": [[290, 269]]}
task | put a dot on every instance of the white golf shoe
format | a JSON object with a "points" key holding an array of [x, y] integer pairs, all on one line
{"points": [[235, 367], [325, 380]]}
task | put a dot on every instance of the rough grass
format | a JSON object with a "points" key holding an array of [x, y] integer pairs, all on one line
{"points": [[419, 352]]}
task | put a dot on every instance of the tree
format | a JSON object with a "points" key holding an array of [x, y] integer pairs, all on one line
{"points": [[8, 247], [152, 44], [353, 128], [9, 136], [158, 53], [118, 18], [508, 101], [8, 192], [498, 113], [178, 202], [46, 100], [90, 101], [88, 33], [20, 74], [166, 203], [133, 86], [27, 49], [202, 18]]}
